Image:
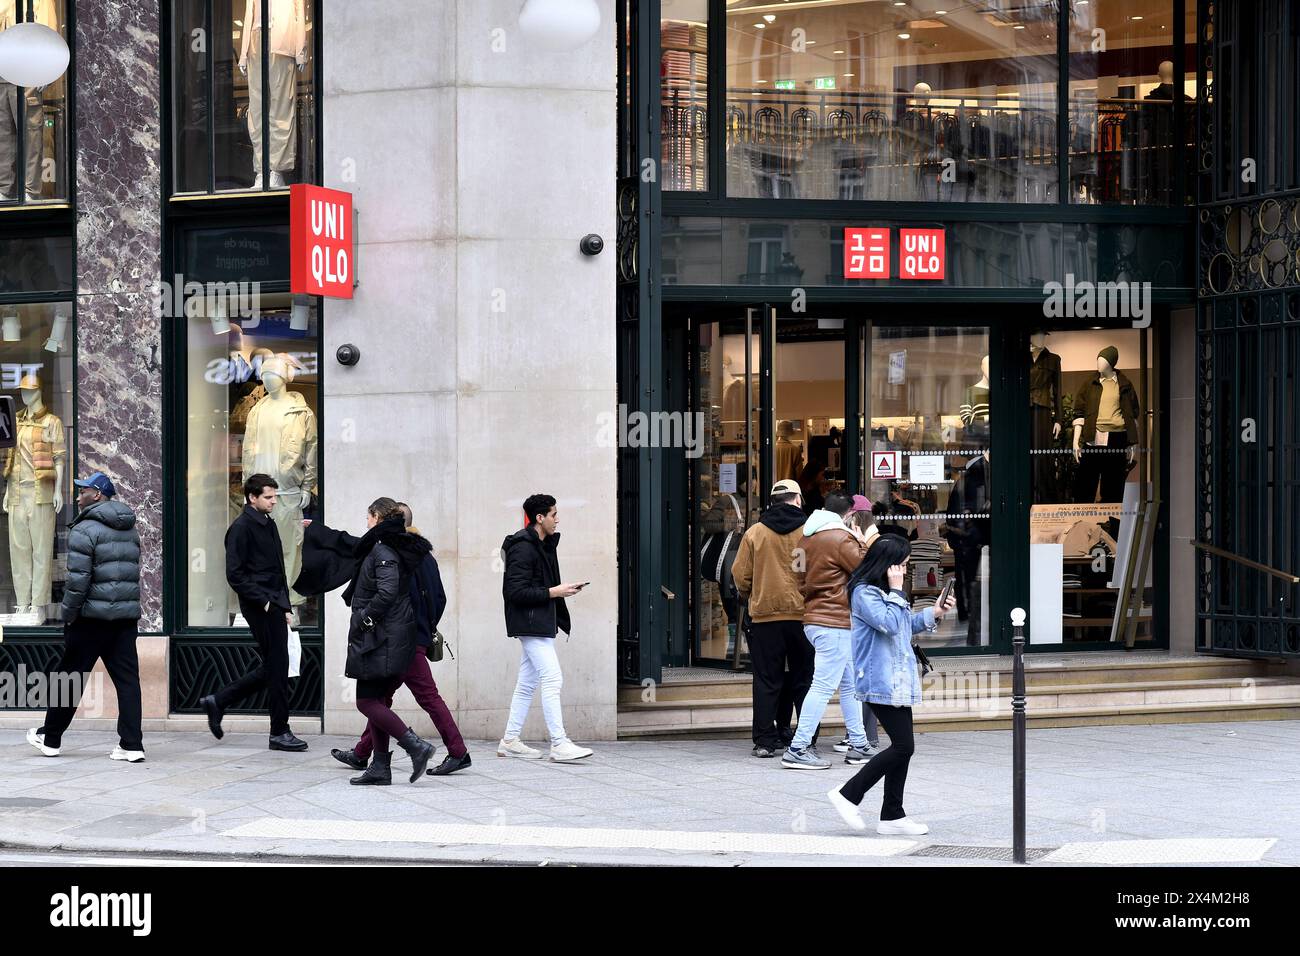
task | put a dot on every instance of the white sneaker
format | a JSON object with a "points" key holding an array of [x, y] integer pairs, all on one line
{"points": [[130, 756], [905, 826], [277, 180], [517, 748], [846, 809], [569, 751], [257, 182], [38, 741]]}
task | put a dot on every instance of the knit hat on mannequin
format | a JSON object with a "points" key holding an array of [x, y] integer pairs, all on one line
{"points": [[1110, 354]]}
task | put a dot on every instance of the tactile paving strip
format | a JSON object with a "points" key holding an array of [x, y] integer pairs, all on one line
{"points": [[1150, 852]]}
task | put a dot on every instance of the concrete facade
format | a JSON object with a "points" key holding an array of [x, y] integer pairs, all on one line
{"points": [[476, 162]]}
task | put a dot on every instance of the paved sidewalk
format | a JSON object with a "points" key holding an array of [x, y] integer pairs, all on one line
{"points": [[1183, 793]]}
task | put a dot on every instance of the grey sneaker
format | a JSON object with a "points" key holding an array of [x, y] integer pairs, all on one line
{"points": [[763, 752], [860, 754], [805, 759]]}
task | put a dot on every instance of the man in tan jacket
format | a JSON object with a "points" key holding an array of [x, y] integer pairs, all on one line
{"points": [[768, 573], [833, 551]]}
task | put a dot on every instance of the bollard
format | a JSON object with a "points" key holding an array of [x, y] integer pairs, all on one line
{"points": [[1018, 734]]}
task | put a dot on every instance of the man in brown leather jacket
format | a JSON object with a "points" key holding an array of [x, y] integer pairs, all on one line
{"points": [[832, 551]]}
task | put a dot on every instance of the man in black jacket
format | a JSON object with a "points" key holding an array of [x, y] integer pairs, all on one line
{"points": [[535, 610], [255, 571], [101, 616]]}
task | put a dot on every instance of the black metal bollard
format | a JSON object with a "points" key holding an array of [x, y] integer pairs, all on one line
{"points": [[1018, 733]]}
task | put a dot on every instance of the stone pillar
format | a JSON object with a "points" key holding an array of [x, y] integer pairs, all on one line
{"points": [[119, 250]]}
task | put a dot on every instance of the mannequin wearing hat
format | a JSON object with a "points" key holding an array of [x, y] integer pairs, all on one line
{"points": [[1045, 412], [280, 441], [33, 497], [1105, 431]]}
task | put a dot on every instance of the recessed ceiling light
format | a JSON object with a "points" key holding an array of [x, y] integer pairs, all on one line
{"points": [[770, 17], [761, 26], [760, 81], [900, 3], [1135, 18], [1018, 26], [850, 74], [941, 13], [809, 42], [837, 51], [905, 36]]}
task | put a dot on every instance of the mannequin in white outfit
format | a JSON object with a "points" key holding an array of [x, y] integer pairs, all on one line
{"points": [[33, 497], [288, 47]]}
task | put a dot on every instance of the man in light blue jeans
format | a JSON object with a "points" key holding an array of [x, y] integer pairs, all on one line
{"points": [[832, 551]]}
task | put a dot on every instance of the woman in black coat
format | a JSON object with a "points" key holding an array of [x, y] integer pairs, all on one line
{"points": [[381, 635]]}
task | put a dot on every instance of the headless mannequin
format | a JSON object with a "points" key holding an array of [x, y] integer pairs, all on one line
{"points": [[280, 441], [33, 497], [976, 406], [288, 39], [1045, 416]]}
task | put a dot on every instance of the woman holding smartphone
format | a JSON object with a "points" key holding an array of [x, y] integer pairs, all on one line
{"points": [[887, 679]]}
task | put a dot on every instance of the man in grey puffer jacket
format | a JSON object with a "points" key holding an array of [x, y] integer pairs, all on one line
{"points": [[101, 615]]}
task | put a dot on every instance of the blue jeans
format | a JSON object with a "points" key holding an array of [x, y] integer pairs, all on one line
{"points": [[833, 668]]}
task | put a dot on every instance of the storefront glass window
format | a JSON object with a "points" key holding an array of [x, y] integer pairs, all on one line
{"points": [[881, 101], [684, 79], [252, 402], [1122, 95], [36, 374], [243, 78], [1092, 467], [929, 472], [34, 120]]}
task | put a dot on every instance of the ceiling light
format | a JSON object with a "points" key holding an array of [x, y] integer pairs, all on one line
{"points": [[850, 74], [760, 81], [31, 54], [1135, 18], [837, 51], [770, 17], [905, 36], [941, 13], [761, 26], [809, 42], [1018, 26], [900, 3]]}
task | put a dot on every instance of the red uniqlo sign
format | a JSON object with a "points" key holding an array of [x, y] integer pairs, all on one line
{"points": [[320, 241], [920, 254], [866, 253]]}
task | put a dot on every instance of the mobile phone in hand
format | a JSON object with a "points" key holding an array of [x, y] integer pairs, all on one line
{"points": [[582, 585], [946, 592]]}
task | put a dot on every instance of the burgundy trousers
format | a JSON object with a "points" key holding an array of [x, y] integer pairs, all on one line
{"points": [[419, 679]]}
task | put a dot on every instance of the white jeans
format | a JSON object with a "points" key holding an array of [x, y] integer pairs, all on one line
{"points": [[538, 667]]}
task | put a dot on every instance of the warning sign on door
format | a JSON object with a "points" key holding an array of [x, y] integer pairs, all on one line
{"points": [[884, 464]]}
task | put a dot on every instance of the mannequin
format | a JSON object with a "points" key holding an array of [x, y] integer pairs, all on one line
{"points": [[788, 455], [31, 113], [33, 498], [1105, 431], [1165, 89], [975, 408], [280, 441], [921, 92], [1045, 412], [288, 47]]}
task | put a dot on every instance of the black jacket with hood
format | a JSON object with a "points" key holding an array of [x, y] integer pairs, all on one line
{"points": [[382, 634], [532, 569]]}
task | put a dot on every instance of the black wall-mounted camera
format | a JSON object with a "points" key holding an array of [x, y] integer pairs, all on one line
{"points": [[591, 245], [348, 354]]}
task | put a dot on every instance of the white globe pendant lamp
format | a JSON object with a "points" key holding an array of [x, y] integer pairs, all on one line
{"points": [[560, 24], [31, 54]]}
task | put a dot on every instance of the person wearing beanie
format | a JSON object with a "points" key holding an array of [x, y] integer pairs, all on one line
{"points": [[1105, 431]]}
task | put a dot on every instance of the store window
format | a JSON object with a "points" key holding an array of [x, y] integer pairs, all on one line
{"points": [[926, 398], [34, 120], [243, 92], [684, 89], [1124, 85], [1093, 473], [252, 404], [884, 101], [36, 374]]}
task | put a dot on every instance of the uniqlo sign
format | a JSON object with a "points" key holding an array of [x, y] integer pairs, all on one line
{"points": [[866, 253], [920, 254], [320, 241]]}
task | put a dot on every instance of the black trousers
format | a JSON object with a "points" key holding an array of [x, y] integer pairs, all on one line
{"points": [[87, 640], [272, 633], [891, 763], [1043, 465], [1107, 465], [778, 693]]}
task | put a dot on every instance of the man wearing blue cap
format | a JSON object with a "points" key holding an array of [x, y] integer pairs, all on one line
{"points": [[101, 617]]}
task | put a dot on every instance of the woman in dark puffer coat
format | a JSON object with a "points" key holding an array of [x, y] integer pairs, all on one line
{"points": [[381, 636]]}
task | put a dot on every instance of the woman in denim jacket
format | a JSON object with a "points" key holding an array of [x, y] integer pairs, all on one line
{"points": [[886, 678]]}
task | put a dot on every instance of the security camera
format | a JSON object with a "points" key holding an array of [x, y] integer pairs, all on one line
{"points": [[591, 245], [348, 354]]}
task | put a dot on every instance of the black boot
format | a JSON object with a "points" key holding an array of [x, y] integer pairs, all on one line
{"points": [[420, 752], [348, 757], [378, 774]]}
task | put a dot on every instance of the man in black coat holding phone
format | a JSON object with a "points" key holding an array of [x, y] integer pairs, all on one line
{"points": [[535, 611], [255, 571]]}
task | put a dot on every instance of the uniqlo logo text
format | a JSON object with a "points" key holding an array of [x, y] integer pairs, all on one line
{"points": [[866, 253], [920, 254]]}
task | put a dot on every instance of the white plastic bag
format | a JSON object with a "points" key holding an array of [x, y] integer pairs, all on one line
{"points": [[295, 652]]}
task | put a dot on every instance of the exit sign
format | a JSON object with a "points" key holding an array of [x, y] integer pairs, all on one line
{"points": [[785, 84], [824, 83]]}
